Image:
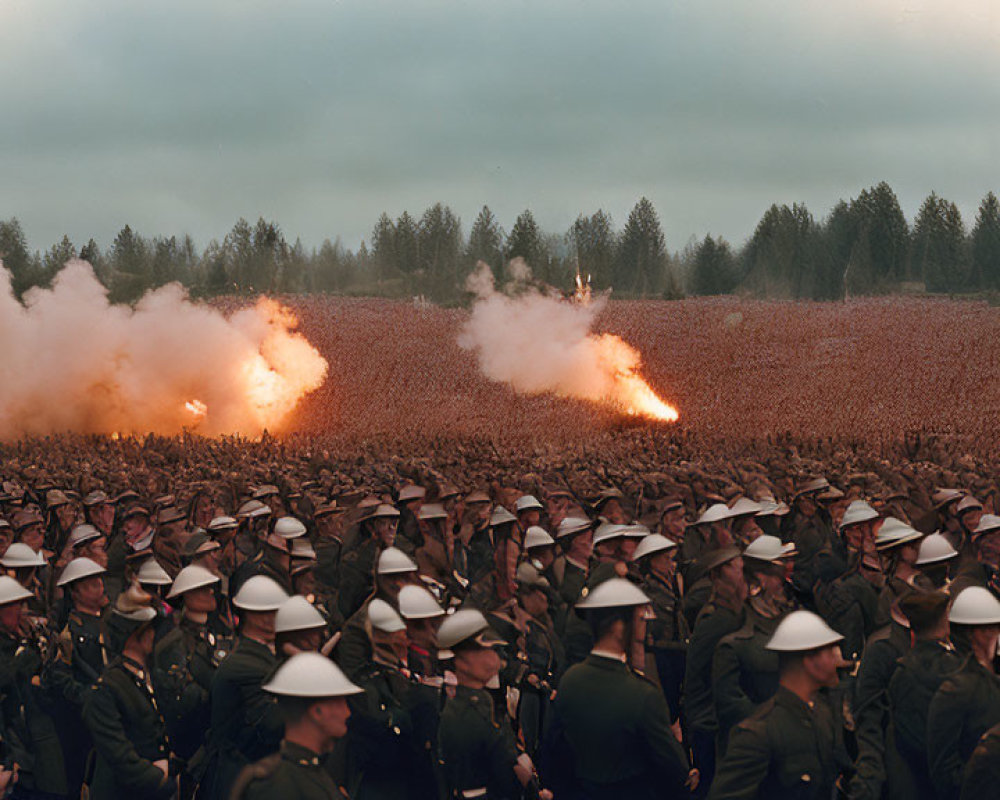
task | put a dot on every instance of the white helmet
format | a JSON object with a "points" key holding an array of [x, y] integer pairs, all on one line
{"points": [[636, 531], [78, 569], [432, 511], [501, 516], [465, 624], [222, 524], [858, 511], [768, 548], [11, 591], [745, 507], [83, 533], [537, 537], [654, 543], [19, 556], [893, 533], [310, 675], [526, 502], [289, 528], [412, 492], [392, 560], [252, 509], [613, 593], [988, 523], [975, 605], [572, 525], [717, 512], [260, 593], [297, 614], [151, 572], [935, 548], [302, 548], [415, 602], [190, 578], [607, 531], [384, 617], [800, 631]]}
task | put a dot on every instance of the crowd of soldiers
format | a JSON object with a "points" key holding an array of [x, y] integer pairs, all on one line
{"points": [[789, 636]]}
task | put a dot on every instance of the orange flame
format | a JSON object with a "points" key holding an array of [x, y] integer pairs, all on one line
{"points": [[197, 408], [627, 390]]}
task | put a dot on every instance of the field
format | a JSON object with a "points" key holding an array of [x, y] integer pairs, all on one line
{"points": [[867, 372]]}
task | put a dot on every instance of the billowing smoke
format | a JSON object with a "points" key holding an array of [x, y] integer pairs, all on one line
{"points": [[538, 342], [72, 361]]}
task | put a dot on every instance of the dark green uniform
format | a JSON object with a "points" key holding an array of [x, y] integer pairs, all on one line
{"points": [[744, 671], [871, 711], [544, 660], [786, 749], [667, 637], [477, 748], [614, 726], [847, 601], [981, 780], [128, 734], [917, 677], [293, 772], [965, 706], [246, 725], [265, 564], [357, 576], [570, 579]]}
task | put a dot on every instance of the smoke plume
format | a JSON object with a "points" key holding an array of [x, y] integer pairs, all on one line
{"points": [[72, 361], [538, 342]]}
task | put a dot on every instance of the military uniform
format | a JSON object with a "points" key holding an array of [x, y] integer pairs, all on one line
{"points": [[846, 600], [477, 747], [917, 677], [260, 564], [966, 705], [545, 657], [357, 576], [128, 734], [293, 772], [981, 779], [614, 728], [246, 725], [787, 749]]}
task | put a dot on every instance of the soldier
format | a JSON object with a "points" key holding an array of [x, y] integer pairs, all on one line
{"points": [[23, 564], [809, 530], [528, 511], [935, 559], [408, 535], [611, 725], [967, 704], [898, 546], [708, 533], [184, 663], [981, 779], [311, 694], [792, 745], [984, 568], [480, 756], [245, 723], [299, 627], [329, 519], [423, 616], [917, 677], [357, 567], [476, 535], [274, 560], [133, 755], [576, 538]]}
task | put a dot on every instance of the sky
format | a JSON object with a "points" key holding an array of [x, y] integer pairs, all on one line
{"points": [[182, 117]]}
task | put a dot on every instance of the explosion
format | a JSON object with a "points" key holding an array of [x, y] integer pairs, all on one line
{"points": [[71, 361], [537, 343]]}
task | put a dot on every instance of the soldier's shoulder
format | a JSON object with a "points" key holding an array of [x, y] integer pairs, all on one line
{"points": [[257, 777]]}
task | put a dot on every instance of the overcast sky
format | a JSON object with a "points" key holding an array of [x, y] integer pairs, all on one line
{"points": [[182, 116]]}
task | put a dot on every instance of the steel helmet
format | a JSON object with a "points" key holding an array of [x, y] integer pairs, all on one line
{"points": [[800, 631], [19, 556], [83, 533], [384, 617], [297, 614], [289, 528], [432, 511], [975, 605], [189, 578], [893, 533], [607, 531], [222, 524], [537, 537], [572, 525], [988, 523], [501, 516], [465, 624], [302, 548], [745, 507], [654, 543], [392, 560], [528, 575], [526, 502], [857, 512], [11, 591], [935, 548], [252, 509], [385, 510], [310, 675], [260, 593], [412, 492], [415, 602], [150, 572], [613, 593], [636, 531], [78, 569], [717, 512], [768, 548]]}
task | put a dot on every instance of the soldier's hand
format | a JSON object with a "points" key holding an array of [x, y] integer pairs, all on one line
{"points": [[544, 794], [692, 781], [163, 765], [8, 777]]}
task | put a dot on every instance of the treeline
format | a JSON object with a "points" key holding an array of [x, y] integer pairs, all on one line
{"points": [[864, 246]]}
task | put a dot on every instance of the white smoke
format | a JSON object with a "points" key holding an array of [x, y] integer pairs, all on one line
{"points": [[537, 342], [72, 361]]}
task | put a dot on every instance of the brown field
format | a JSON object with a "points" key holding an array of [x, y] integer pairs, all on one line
{"points": [[867, 371]]}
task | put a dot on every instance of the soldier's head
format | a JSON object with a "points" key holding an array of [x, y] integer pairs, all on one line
{"points": [[468, 637], [12, 597], [194, 587], [673, 523], [132, 624], [528, 510], [29, 529], [82, 580], [532, 590], [422, 615], [975, 617], [383, 524], [329, 519], [257, 602], [312, 697], [298, 626], [540, 547], [393, 571], [617, 611], [576, 537], [927, 614], [724, 568], [986, 538], [610, 504], [655, 554], [857, 527], [808, 652], [387, 633]]}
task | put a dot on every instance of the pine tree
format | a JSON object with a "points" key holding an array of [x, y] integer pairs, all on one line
{"points": [[383, 253], [525, 241], [55, 259], [642, 254], [407, 244], [485, 242], [714, 269], [15, 257], [939, 246], [985, 244], [439, 240], [594, 244]]}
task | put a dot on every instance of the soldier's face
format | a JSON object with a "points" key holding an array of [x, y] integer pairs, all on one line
{"points": [[10, 616], [96, 551], [33, 536], [989, 548], [822, 665], [543, 555], [90, 592], [200, 601], [613, 512], [529, 517], [673, 524], [331, 716]]}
